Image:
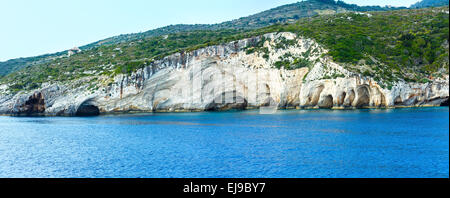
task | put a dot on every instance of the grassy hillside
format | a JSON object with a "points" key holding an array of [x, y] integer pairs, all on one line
{"points": [[393, 45], [430, 3], [13, 65], [282, 14], [279, 15], [117, 58]]}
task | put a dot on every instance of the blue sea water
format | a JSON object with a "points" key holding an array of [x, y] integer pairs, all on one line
{"points": [[290, 144]]}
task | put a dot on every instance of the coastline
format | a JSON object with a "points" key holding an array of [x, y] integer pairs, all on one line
{"points": [[169, 85], [230, 110]]}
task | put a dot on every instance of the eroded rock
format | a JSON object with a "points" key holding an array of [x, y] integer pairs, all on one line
{"points": [[327, 102], [362, 97], [34, 105], [193, 81]]}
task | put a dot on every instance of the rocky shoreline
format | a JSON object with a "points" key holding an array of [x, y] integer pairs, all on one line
{"points": [[226, 77], [230, 110]]}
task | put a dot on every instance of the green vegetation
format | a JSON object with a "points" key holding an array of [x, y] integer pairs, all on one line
{"points": [[296, 64], [290, 62], [284, 43], [404, 43], [430, 3], [388, 46], [259, 48], [283, 14], [121, 58], [130, 67], [13, 65]]}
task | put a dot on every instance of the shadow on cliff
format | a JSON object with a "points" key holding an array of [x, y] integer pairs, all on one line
{"points": [[445, 103]]}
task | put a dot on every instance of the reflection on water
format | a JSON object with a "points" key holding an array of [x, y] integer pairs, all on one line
{"points": [[134, 122], [293, 143]]}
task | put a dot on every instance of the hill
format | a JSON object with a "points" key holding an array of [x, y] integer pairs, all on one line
{"points": [[430, 3], [283, 14], [409, 45], [347, 60]]}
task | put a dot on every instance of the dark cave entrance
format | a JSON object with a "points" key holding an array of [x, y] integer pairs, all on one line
{"points": [[88, 110], [327, 103], [363, 97], [236, 102], [445, 103]]}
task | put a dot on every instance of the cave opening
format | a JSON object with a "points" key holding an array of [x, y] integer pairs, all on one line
{"points": [[363, 97], [227, 101], [341, 98], [445, 103], [398, 101], [327, 103], [86, 110]]}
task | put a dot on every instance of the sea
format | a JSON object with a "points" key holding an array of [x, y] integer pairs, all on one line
{"points": [[369, 143]]}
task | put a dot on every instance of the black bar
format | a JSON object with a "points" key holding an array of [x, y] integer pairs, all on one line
{"points": [[271, 186]]}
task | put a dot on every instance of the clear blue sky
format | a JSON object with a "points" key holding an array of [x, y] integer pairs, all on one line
{"points": [[30, 27]]}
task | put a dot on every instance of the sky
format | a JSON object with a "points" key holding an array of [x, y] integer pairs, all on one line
{"points": [[31, 28]]}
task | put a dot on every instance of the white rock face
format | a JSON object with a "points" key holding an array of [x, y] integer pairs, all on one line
{"points": [[226, 77]]}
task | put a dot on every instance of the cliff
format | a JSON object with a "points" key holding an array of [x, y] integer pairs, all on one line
{"points": [[236, 75]]}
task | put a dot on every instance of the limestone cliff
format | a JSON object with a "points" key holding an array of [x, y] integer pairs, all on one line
{"points": [[229, 76]]}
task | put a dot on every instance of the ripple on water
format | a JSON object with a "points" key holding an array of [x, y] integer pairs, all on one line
{"points": [[296, 143]]}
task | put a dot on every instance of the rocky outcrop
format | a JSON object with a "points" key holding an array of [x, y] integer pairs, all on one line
{"points": [[35, 104], [226, 77]]}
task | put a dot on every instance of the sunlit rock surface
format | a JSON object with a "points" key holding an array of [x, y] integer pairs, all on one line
{"points": [[226, 77]]}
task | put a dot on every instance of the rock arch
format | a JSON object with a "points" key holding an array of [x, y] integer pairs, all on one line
{"points": [[88, 108], [363, 96], [341, 98], [314, 98], [348, 101]]}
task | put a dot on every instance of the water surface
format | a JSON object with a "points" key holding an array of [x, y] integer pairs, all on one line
{"points": [[290, 144]]}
